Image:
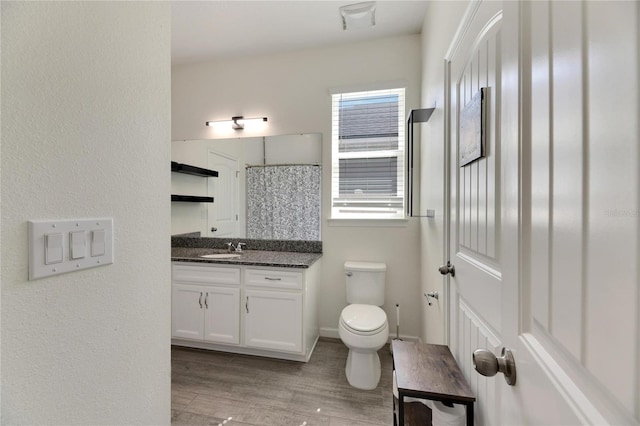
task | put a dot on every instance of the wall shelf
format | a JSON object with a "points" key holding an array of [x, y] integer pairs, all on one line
{"points": [[415, 116], [192, 170], [420, 115], [191, 198]]}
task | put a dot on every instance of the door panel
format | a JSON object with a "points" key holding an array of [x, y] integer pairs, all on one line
{"points": [[559, 286], [583, 246], [223, 213], [186, 311], [474, 333], [476, 289], [222, 315], [613, 162], [273, 320]]}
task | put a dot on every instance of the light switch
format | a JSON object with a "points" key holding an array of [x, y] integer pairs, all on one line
{"points": [[60, 246], [77, 244], [97, 242], [53, 248]]}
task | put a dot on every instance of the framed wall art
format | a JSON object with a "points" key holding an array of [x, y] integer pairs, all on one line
{"points": [[473, 128]]}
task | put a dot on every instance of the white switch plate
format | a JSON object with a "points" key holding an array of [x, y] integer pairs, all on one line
{"points": [[39, 228]]}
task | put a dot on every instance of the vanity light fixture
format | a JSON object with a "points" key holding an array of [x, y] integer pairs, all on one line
{"points": [[237, 123], [358, 15]]}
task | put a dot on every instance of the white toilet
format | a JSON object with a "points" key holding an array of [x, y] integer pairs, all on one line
{"points": [[363, 324]]}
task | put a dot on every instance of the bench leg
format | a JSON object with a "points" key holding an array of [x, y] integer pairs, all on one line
{"points": [[470, 414], [395, 412]]}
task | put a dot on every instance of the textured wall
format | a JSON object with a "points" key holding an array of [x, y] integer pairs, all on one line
{"points": [[292, 90], [85, 133]]}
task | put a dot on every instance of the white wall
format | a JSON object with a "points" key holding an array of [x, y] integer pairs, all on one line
{"points": [[292, 90], [85, 133], [441, 21]]}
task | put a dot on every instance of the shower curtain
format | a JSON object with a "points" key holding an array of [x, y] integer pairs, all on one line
{"points": [[283, 202]]}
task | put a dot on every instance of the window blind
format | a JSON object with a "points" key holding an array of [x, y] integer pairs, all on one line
{"points": [[368, 170]]}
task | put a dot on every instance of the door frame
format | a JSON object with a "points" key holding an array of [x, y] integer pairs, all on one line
{"points": [[463, 28]]}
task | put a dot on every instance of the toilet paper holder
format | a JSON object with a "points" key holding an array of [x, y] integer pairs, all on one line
{"points": [[430, 295]]}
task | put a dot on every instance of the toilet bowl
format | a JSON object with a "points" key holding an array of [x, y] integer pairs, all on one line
{"points": [[364, 330]]}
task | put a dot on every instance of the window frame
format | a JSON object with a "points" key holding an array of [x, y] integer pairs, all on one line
{"points": [[394, 212]]}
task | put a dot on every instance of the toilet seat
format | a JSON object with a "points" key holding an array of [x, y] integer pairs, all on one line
{"points": [[364, 320]]}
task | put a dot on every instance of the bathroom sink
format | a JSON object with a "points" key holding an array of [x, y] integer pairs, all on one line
{"points": [[221, 256]]}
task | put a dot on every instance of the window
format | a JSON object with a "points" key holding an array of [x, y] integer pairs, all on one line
{"points": [[367, 180]]}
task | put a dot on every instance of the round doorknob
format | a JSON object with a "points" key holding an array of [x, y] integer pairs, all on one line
{"points": [[487, 364], [448, 269]]}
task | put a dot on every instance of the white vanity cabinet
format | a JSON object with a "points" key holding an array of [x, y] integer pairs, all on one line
{"points": [[205, 303], [252, 310]]}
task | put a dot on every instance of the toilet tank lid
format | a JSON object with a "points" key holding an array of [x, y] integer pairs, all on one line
{"points": [[365, 266]]}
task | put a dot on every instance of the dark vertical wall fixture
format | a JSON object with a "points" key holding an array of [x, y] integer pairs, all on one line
{"points": [[415, 116]]}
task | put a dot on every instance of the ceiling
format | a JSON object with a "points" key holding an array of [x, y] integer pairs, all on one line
{"points": [[203, 30]]}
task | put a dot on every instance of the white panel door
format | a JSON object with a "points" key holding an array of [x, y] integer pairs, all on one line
{"points": [[273, 320], [223, 213], [545, 229], [186, 311], [475, 302], [222, 315]]}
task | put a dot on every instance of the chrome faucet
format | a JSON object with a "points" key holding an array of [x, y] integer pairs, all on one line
{"points": [[237, 248]]}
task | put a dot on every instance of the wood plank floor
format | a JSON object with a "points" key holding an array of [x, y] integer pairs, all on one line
{"points": [[211, 387]]}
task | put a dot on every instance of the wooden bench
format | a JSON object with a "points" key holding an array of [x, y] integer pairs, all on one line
{"points": [[427, 371]]}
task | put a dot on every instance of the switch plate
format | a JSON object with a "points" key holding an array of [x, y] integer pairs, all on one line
{"points": [[74, 237]]}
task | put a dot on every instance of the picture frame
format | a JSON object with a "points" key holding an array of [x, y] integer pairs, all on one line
{"points": [[472, 128]]}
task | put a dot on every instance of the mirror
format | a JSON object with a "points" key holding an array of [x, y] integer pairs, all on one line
{"points": [[267, 187]]}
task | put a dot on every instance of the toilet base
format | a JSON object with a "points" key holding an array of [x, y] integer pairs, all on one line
{"points": [[363, 369]]}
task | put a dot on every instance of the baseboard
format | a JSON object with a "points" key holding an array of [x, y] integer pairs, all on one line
{"points": [[329, 332], [333, 334]]}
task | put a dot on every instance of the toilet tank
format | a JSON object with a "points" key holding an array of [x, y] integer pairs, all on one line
{"points": [[365, 282]]}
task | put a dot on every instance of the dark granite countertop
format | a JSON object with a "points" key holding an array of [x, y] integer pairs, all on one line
{"points": [[283, 259]]}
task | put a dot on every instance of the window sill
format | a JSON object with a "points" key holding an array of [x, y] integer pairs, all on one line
{"points": [[378, 223]]}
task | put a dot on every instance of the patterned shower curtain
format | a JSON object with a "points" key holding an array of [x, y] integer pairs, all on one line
{"points": [[283, 202]]}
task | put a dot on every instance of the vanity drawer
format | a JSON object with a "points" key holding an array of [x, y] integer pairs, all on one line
{"points": [[273, 278], [206, 274]]}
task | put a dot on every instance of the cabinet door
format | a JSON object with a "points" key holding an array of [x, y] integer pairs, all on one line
{"points": [[222, 314], [187, 314], [273, 320]]}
